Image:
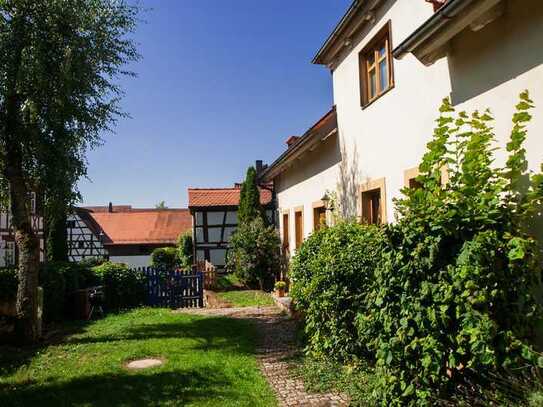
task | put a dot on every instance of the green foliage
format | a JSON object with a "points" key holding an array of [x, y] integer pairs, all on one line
{"points": [[53, 281], [254, 255], [447, 299], [280, 285], [59, 281], [357, 381], [124, 288], [249, 198], [8, 282], [165, 258], [246, 298], [331, 275], [185, 250]]}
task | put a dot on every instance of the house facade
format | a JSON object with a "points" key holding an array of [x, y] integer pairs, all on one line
{"points": [[214, 214], [123, 234], [392, 63]]}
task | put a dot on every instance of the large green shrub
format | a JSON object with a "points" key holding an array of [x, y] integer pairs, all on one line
{"points": [[59, 281], [453, 295], [450, 306], [254, 254], [53, 282], [124, 288], [185, 250], [165, 258], [331, 275]]}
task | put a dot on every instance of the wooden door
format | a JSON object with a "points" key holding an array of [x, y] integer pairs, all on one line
{"points": [[299, 226], [286, 237]]}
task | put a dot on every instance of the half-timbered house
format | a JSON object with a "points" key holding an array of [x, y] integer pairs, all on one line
{"points": [[8, 249], [215, 217], [124, 234]]}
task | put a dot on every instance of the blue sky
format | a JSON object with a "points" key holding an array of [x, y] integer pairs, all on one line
{"points": [[221, 84]]}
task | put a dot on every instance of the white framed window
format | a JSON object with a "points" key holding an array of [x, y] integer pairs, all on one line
{"points": [[33, 202], [9, 253]]}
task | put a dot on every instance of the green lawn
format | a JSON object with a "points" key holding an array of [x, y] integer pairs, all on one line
{"points": [[209, 362], [246, 298]]}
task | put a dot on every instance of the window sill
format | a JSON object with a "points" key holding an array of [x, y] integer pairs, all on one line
{"points": [[378, 97]]}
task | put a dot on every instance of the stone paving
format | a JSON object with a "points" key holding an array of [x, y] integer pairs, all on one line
{"points": [[277, 343]]}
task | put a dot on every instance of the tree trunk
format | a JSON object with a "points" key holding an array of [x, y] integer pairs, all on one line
{"points": [[27, 326]]}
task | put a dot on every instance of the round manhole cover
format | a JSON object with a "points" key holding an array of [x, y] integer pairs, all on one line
{"points": [[144, 363]]}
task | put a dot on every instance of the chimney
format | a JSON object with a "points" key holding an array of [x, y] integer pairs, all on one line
{"points": [[110, 208], [437, 4], [258, 166], [291, 140]]}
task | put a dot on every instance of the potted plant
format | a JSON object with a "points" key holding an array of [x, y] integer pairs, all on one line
{"points": [[280, 287]]}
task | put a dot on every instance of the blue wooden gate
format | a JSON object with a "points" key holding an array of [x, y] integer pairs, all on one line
{"points": [[174, 289]]}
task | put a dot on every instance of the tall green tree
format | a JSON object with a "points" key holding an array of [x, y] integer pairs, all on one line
{"points": [[59, 62], [249, 199]]}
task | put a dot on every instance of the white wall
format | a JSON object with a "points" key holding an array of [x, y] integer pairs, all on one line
{"points": [[389, 136], [306, 182], [490, 67], [132, 261]]}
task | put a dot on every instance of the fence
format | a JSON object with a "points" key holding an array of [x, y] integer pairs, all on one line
{"points": [[174, 289], [209, 271]]}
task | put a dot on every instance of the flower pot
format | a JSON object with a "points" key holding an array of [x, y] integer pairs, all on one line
{"points": [[280, 292]]}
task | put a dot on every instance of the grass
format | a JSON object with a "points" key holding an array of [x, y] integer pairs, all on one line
{"points": [[208, 362], [246, 298], [227, 282]]}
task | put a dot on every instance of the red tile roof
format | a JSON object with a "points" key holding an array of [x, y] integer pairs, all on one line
{"points": [[142, 226], [205, 197]]}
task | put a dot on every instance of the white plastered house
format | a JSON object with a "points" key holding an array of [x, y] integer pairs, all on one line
{"points": [[392, 63]]}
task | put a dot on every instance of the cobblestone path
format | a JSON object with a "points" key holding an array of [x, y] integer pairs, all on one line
{"points": [[276, 344]]}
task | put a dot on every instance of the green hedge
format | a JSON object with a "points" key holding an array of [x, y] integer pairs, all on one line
{"points": [[331, 275], [124, 288], [165, 258]]}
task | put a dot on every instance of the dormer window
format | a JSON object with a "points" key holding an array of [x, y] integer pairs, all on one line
{"points": [[376, 73]]}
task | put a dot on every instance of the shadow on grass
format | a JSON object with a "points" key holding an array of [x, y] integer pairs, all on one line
{"points": [[209, 332], [125, 389], [12, 356]]}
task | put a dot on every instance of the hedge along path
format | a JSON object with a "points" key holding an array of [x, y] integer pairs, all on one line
{"points": [[276, 345]]}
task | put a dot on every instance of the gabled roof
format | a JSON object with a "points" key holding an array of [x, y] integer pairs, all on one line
{"points": [[140, 226], [359, 13], [325, 127], [209, 197]]}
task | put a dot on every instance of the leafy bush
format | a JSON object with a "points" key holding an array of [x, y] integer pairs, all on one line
{"points": [[53, 281], [165, 258], [59, 281], [450, 303], [185, 250], [124, 288], [331, 275], [254, 254], [8, 282]]}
